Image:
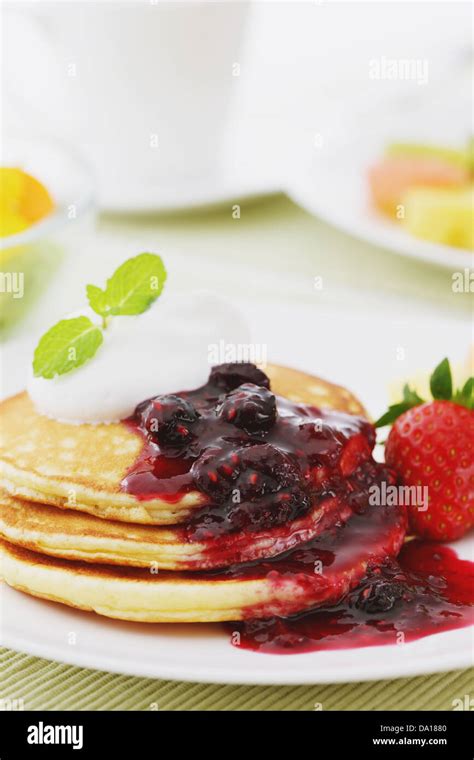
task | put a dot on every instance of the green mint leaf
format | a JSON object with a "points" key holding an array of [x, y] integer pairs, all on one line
{"points": [[411, 397], [441, 382], [393, 413], [98, 300], [135, 284], [131, 290], [67, 345]]}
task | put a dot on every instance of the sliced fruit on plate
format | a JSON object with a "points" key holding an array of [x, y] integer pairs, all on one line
{"points": [[391, 178], [23, 201], [440, 215], [453, 156]]}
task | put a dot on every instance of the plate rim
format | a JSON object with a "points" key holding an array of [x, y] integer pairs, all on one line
{"points": [[216, 190], [410, 247], [392, 670], [312, 673]]}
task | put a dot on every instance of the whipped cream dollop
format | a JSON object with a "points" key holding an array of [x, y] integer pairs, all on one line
{"points": [[166, 349]]}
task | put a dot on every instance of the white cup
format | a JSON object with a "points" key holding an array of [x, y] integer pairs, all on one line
{"points": [[142, 88]]}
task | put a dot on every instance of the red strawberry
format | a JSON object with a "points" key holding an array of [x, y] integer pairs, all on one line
{"points": [[432, 444]]}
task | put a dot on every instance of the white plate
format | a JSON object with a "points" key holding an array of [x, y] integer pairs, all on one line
{"points": [[334, 187], [203, 652], [365, 360]]}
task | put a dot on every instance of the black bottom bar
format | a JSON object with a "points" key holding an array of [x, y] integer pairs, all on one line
{"points": [[142, 734]]}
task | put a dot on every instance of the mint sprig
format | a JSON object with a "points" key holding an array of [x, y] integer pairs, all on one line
{"points": [[67, 345], [131, 290], [98, 300], [135, 285], [441, 386]]}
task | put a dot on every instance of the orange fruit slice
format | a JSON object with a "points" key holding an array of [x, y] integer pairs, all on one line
{"points": [[23, 201]]}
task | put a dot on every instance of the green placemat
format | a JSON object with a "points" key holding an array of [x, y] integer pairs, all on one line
{"points": [[43, 684]]}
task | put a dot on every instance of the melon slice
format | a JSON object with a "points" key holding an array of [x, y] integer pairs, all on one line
{"points": [[453, 156], [392, 177], [441, 216]]}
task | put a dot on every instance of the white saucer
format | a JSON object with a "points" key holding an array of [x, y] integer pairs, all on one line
{"points": [[214, 189]]}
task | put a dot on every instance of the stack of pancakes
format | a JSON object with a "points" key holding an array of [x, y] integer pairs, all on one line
{"points": [[72, 535]]}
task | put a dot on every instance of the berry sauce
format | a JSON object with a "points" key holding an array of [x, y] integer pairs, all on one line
{"points": [[255, 460], [255, 463], [426, 591]]}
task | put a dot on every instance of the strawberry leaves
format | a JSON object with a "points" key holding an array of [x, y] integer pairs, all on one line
{"points": [[441, 386], [410, 399], [441, 381], [465, 396]]}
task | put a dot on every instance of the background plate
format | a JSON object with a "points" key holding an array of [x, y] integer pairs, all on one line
{"points": [[333, 186]]}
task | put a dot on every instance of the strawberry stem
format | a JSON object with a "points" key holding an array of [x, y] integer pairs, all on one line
{"points": [[441, 386]]}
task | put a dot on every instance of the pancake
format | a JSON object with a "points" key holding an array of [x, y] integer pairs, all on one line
{"points": [[81, 467], [320, 572], [80, 536]]}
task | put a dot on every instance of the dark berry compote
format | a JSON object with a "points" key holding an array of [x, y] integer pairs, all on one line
{"points": [[255, 460], [427, 590], [258, 462]]}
